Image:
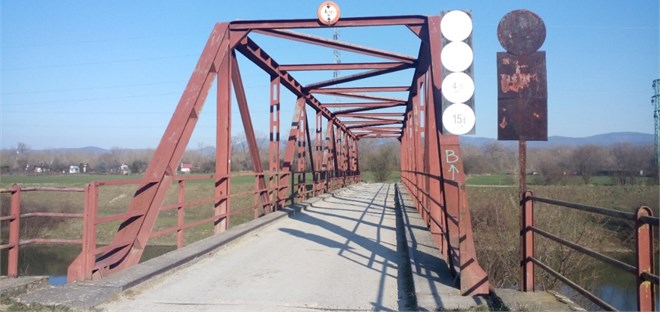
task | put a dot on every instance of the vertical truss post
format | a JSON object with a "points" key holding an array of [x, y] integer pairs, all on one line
{"points": [[274, 147], [223, 147], [337, 157], [318, 148], [414, 142], [327, 165], [438, 217], [302, 146], [289, 153], [419, 150]]}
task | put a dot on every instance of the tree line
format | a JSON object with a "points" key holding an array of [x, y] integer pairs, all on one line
{"points": [[623, 162]]}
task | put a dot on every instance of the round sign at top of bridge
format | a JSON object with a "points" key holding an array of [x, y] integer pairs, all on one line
{"points": [[328, 13], [456, 25], [521, 32]]}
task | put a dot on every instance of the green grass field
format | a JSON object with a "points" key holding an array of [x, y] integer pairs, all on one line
{"points": [[507, 179]]}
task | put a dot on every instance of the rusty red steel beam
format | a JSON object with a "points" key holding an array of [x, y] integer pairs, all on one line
{"points": [[336, 44], [341, 66], [166, 158], [373, 121], [372, 115], [361, 89], [365, 109], [360, 96], [382, 129], [292, 140], [259, 57], [362, 124], [359, 76], [405, 20], [223, 144], [378, 135], [274, 146], [365, 104]]}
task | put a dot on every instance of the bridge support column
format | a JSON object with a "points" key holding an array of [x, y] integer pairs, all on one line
{"points": [[274, 147], [223, 148]]}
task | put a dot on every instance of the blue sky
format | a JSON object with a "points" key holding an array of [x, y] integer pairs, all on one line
{"points": [[110, 73]]}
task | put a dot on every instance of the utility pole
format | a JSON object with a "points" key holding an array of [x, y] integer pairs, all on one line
{"points": [[655, 100]]}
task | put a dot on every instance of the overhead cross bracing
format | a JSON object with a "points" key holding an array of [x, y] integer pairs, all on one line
{"points": [[354, 99]]}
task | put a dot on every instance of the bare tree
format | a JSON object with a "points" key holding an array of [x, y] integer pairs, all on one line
{"points": [[587, 160]]}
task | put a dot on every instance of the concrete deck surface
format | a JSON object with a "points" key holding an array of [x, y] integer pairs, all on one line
{"points": [[340, 253]]}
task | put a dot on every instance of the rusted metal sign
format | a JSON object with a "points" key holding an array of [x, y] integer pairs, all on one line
{"points": [[522, 84]]}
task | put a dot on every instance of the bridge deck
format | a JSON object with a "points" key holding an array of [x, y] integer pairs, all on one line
{"points": [[339, 253]]}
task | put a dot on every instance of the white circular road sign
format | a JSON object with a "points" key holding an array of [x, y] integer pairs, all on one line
{"points": [[456, 56], [458, 87], [456, 26], [458, 119]]}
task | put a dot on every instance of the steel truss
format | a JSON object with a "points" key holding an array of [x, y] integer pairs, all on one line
{"points": [[431, 163]]}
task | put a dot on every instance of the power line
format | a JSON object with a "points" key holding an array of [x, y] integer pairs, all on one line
{"points": [[91, 99], [97, 63], [92, 88]]}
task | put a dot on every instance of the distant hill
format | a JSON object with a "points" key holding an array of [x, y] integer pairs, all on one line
{"points": [[607, 139], [635, 138], [86, 149]]}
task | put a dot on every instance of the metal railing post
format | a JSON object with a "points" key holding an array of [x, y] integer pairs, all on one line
{"points": [[14, 231], [527, 242], [89, 234], [644, 239]]}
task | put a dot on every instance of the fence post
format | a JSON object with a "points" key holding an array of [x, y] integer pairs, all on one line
{"points": [[644, 239], [89, 237], [14, 231], [527, 242], [180, 214]]}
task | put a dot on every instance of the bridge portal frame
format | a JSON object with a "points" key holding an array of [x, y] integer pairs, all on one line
{"points": [[431, 164]]}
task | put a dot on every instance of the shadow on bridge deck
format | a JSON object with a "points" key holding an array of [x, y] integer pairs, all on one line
{"points": [[347, 251]]}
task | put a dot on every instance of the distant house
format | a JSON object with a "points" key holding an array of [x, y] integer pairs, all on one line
{"points": [[73, 169], [186, 168], [124, 169]]}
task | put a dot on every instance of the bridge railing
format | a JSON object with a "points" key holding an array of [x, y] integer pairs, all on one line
{"points": [[15, 216], [442, 204], [644, 270], [94, 215]]}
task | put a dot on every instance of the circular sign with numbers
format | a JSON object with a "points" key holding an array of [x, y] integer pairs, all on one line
{"points": [[457, 87], [328, 13], [458, 119]]}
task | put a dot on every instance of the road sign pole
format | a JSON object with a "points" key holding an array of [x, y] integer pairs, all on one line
{"points": [[522, 168]]}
